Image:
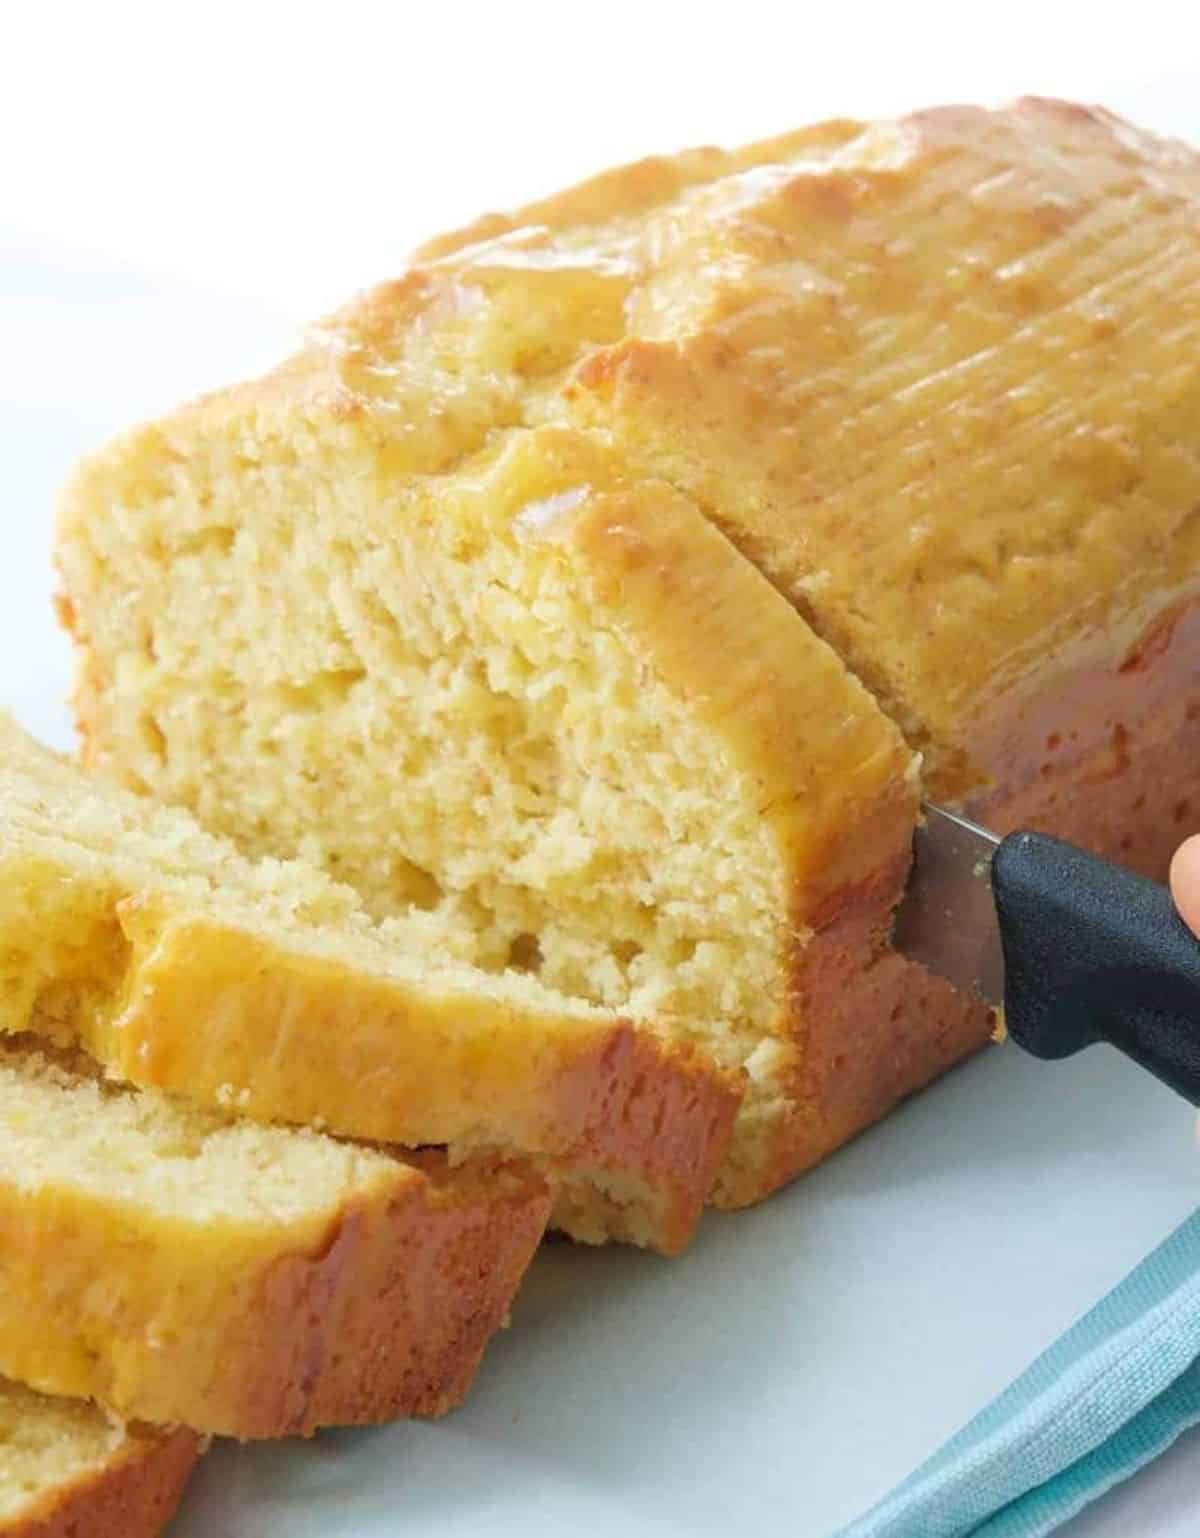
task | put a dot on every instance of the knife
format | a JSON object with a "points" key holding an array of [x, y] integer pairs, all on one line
{"points": [[1074, 949]]}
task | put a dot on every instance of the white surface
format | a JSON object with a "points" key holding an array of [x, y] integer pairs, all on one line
{"points": [[802, 1357]]}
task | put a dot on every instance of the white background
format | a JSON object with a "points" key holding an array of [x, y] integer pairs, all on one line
{"points": [[293, 150], [180, 184]]}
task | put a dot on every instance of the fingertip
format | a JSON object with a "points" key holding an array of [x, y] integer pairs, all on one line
{"points": [[1185, 881]]}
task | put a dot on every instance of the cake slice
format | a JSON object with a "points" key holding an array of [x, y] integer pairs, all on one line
{"points": [[600, 595], [180, 1267], [266, 987], [66, 1470]]}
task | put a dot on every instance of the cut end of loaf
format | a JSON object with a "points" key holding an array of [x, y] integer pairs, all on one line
{"points": [[504, 682]]}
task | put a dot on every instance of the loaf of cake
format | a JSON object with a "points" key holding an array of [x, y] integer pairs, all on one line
{"points": [[183, 1268], [266, 988], [599, 597], [69, 1471]]}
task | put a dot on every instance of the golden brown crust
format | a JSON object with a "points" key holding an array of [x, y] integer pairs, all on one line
{"points": [[674, 1134], [268, 1329], [431, 1305], [637, 188], [134, 1494], [872, 1028]]}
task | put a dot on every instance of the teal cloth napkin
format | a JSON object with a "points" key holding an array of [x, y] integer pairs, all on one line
{"points": [[1109, 1395]]}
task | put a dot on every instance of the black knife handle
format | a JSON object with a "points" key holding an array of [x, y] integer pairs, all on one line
{"points": [[1093, 952]]}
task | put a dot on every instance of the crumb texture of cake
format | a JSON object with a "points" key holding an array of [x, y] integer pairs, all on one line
{"points": [[598, 597], [265, 987], [67, 1469], [179, 1267]]}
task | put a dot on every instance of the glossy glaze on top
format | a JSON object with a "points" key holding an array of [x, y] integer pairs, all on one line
{"points": [[937, 377]]}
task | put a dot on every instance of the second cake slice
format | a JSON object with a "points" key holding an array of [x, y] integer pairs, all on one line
{"points": [[265, 987]]}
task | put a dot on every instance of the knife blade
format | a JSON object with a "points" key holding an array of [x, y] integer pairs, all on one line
{"points": [[947, 918], [1076, 949]]}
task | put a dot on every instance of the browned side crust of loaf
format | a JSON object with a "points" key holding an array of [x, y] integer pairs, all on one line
{"points": [[133, 1495], [673, 1131], [387, 1317], [429, 1297], [1109, 757], [873, 1029]]}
